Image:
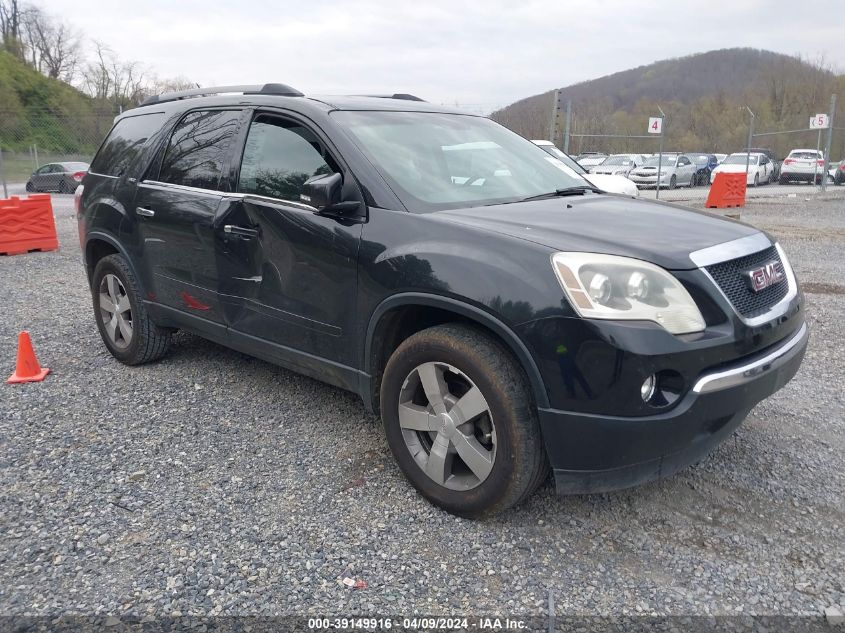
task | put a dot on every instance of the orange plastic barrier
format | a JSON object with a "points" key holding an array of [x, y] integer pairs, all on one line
{"points": [[728, 190], [27, 224]]}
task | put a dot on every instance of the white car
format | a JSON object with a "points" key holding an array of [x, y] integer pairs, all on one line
{"points": [[720, 157], [761, 170], [618, 165], [802, 164], [611, 184]]}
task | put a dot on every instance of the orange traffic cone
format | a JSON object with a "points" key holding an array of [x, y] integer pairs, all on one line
{"points": [[27, 369]]}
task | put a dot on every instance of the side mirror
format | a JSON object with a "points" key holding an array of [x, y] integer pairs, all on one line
{"points": [[325, 192]]}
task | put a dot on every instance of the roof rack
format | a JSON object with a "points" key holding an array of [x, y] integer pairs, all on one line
{"points": [[398, 95], [281, 90]]}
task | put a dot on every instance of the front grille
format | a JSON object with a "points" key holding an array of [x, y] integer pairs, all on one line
{"points": [[731, 278]]}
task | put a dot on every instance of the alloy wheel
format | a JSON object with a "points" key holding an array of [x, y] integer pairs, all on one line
{"points": [[115, 311], [447, 426]]}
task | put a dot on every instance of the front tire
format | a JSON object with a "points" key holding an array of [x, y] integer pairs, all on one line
{"points": [[673, 182], [756, 180], [122, 319], [29, 186], [460, 421]]}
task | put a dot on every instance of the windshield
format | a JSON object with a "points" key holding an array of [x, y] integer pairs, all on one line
{"points": [[618, 160], [564, 158], [739, 159], [436, 161], [805, 155], [655, 160]]}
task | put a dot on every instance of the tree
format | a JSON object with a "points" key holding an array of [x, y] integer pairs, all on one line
{"points": [[52, 47], [10, 26], [111, 80]]}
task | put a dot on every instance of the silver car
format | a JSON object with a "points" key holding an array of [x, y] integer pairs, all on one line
{"points": [[61, 177], [676, 171]]}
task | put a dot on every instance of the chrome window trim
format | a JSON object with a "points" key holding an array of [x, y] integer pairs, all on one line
{"points": [[750, 371], [96, 173], [155, 184], [730, 250]]}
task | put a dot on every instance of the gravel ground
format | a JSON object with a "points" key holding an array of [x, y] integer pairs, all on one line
{"points": [[213, 483]]}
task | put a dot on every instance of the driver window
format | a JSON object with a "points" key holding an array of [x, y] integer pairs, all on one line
{"points": [[279, 157]]}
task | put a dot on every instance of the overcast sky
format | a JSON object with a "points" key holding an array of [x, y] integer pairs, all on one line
{"points": [[481, 55]]}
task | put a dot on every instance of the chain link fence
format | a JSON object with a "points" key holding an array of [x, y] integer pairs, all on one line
{"points": [[30, 138]]}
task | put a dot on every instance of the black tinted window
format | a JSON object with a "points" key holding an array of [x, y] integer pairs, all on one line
{"points": [[125, 142], [279, 157], [196, 154]]}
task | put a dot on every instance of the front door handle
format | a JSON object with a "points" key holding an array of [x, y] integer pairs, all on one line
{"points": [[242, 231], [144, 212]]}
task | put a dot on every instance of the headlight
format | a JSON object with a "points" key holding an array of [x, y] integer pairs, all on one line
{"points": [[612, 287]]}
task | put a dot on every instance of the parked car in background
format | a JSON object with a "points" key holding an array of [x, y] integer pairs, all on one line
{"points": [[61, 177], [591, 160], [675, 171], [760, 168], [802, 165], [704, 164], [720, 157], [837, 172], [609, 183], [618, 165], [771, 155]]}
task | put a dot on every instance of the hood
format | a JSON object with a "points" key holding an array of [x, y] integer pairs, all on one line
{"points": [[652, 171], [616, 169], [660, 233], [733, 169]]}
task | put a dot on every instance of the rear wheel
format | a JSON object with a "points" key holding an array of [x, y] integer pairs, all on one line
{"points": [[64, 187], [122, 319], [460, 422]]}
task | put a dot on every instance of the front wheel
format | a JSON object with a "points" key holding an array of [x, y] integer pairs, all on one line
{"points": [[29, 186], [122, 319], [460, 422], [673, 182], [756, 180]]}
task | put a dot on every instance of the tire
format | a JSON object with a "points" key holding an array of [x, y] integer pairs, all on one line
{"points": [[673, 182], [145, 341], [457, 359], [783, 180], [756, 180], [692, 180], [29, 186], [64, 187]]}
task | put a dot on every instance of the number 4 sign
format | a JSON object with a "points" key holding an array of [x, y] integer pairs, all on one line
{"points": [[819, 122], [655, 125]]}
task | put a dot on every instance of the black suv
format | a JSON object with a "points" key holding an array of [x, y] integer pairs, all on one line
{"points": [[499, 313]]}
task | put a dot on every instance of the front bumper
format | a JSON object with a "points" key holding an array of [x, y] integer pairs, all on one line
{"points": [[597, 453]]}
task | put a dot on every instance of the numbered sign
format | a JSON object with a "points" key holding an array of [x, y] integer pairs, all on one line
{"points": [[655, 125], [819, 122]]}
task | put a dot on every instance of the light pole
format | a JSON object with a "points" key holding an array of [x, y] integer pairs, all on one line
{"points": [[750, 140], [660, 150]]}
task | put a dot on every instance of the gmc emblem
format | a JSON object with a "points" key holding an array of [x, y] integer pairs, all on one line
{"points": [[764, 276]]}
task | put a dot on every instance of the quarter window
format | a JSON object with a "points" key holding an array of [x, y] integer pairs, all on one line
{"points": [[125, 142], [279, 157], [198, 149]]}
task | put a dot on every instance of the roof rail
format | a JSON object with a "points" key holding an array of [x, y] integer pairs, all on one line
{"points": [[398, 95], [265, 89]]}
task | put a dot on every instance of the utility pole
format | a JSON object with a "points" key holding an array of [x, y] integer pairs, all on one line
{"points": [[829, 141], [660, 151], [750, 141], [566, 129], [3, 175]]}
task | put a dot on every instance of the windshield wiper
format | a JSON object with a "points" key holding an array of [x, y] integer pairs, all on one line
{"points": [[579, 190]]}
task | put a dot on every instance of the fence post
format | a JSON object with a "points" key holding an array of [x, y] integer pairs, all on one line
{"points": [[553, 122], [566, 129], [829, 141], [3, 175], [660, 153], [750, 141], [35, 151]]}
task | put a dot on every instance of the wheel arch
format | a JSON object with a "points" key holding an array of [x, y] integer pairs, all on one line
{"points": [[98, 245], [390, 324]]}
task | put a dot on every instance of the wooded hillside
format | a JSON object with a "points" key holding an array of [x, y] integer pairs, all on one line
{"points": [[704, 97]]}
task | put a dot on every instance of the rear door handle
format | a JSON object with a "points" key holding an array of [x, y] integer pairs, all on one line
{"points": [[242, 231], [144, 212]]}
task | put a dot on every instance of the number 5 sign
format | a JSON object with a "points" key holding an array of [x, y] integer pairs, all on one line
{"points": [[655, 125], [819, 122]]}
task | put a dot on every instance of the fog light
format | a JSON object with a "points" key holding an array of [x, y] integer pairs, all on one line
{"points": [[647, 389]]}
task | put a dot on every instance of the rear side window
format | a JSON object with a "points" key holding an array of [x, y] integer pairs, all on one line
{"points": [[279, 157], [198, 150], [125, 142]]}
